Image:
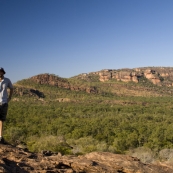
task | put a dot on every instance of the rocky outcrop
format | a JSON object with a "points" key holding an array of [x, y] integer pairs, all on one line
{"points": [[53, 80], [152, 75], [105, 75], [124, 75], [22, 91], [157, 75], [18, 160]]}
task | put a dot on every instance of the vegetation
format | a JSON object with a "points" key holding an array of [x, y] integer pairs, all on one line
{"points": [[107, 121]]}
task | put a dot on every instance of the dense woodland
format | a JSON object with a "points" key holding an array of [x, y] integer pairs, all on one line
{"points": [[111, 120]]}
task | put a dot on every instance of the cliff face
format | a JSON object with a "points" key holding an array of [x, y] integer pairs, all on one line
{"points": [[18, 160], [61, 83], [125, 76], [156, 75], [129, 75]]}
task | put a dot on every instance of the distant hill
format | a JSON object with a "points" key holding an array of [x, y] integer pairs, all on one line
{"points": [[162, 76], [144, 81]]}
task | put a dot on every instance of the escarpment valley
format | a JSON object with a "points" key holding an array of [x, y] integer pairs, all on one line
{"points": [[123, 111]]}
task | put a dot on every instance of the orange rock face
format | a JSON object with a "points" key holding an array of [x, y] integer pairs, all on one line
{"points": [[152, 76], [15, 160], [135, 79], [127, 75], [123, 76]]}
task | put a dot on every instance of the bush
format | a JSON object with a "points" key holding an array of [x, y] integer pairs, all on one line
{"points": [[48, 143], [146, 155], [166, 155], [86, 145], [14, 133]]}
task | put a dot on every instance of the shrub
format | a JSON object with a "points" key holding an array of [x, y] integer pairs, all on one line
{"points": [[48, 143], [146, 155], [86, 145]]}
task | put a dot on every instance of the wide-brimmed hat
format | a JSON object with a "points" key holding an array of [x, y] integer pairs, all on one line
{"points": [[1, 69]]}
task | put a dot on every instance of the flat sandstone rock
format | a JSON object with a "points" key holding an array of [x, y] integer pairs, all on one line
{"points": [[17, 160]]}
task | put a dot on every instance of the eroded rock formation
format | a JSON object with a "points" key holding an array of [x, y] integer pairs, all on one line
{"points": [[17, 160], [124, 75], [22, 91], [152, 75], [155, 74], [61, 83]]}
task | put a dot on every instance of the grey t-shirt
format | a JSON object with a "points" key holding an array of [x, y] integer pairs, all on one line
{"points": [[4, 84]]}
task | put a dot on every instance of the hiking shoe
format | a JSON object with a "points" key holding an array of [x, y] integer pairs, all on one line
{"points": [[2, 141]]}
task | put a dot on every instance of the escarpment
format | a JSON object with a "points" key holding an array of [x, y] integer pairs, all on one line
{"points": [[156, 75]]}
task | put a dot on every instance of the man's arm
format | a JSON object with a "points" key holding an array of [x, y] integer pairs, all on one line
{"points": [[10, 86], [10, 94]]}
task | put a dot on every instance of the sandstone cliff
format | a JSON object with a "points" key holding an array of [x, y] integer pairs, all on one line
{"points": [[17, 160], [156, 75], [129, 75]]}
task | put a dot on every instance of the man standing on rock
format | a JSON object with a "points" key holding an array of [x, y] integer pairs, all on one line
{"points": [[4, 99]]}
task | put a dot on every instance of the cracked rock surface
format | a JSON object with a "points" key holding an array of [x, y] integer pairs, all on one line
{"points": [[17, 160]]}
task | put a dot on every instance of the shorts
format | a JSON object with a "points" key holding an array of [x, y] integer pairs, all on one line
{"points": [[3, 111]]}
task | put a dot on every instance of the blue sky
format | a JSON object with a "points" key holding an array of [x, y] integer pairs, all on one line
{"points": [[69, 37]]}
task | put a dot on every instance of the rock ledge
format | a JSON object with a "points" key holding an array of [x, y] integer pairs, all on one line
{"points": [[17, 160]]}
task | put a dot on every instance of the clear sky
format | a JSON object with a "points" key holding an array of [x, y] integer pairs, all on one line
{"points": [[69, 37]]}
